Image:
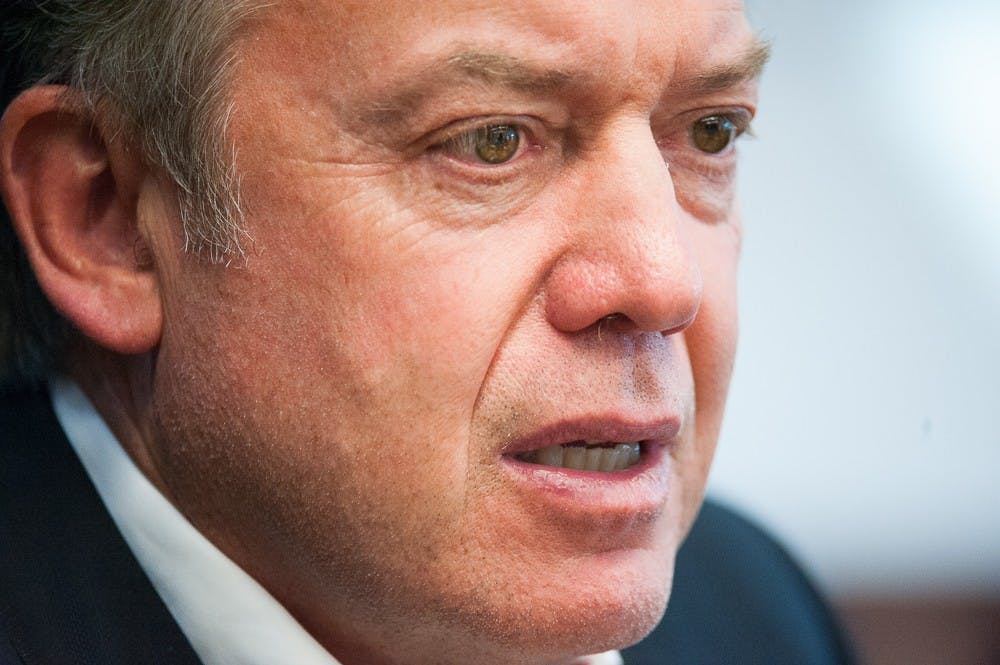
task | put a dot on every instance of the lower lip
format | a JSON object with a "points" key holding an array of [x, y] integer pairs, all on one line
{"points": [[640, 489]]}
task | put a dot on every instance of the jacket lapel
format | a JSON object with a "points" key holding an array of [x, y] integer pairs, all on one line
{"points": [[70, 589]]}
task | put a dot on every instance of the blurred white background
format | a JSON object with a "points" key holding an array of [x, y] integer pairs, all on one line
{"points": [[864, 417]]}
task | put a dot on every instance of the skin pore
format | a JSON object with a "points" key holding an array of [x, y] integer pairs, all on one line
{"points": [[340, 415]]}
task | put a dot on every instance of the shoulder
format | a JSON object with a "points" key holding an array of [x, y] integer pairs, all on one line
{"points": [[70, 589], [739, 596]]}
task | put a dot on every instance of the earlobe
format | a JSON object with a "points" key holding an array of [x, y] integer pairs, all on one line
{"points": [[72, 196]]}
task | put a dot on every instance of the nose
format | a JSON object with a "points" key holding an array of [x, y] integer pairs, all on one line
{"points": [[626, 257]]}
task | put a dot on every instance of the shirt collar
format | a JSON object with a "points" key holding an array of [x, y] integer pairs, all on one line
{"points": [[227, 616]]}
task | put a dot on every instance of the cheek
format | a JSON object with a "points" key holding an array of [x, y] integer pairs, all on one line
{"points": [[425, 329], [712, 337], [707, 192], [711, 343], [366, 352]]}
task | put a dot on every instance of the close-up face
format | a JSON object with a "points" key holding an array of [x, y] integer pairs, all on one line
{"points": [[490, 241]]}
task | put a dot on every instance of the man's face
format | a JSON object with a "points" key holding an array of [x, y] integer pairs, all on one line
{"points": [[447, 203]]}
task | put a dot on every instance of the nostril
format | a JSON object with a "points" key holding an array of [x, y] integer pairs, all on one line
{"points": [[682, 325], [608, 323]]}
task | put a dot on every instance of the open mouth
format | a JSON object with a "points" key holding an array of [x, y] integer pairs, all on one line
{"points": [[605, 456]]}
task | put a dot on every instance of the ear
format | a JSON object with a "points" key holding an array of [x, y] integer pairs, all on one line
{"points": [[72, 195]]}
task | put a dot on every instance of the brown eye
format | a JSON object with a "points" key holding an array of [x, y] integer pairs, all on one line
{"points": [[495, 144], [488, 144], [714, 134]]}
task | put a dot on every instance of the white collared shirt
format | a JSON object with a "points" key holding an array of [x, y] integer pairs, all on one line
{"points": [[227, 616]]}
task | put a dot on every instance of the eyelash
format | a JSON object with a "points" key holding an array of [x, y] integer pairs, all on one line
{"points": [[739, 123], [739, 117], [492, 134], [681, 149], [460, 144]]}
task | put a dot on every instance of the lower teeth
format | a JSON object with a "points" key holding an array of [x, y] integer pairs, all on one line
{"points": [[587, 457]]}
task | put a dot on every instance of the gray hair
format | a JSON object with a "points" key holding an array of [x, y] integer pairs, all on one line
{"points": [[159, 71]]}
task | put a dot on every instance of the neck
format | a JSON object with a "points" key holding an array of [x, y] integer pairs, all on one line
{"points": [[120, 388]]}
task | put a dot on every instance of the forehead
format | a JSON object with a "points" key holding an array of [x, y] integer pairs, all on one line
{"points": [[380, 44]]}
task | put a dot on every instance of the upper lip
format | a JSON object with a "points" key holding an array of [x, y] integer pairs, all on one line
{"points": [[614, 429]]}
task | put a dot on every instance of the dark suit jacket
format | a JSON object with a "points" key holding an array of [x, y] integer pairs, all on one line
{"points": [[71, 591]]}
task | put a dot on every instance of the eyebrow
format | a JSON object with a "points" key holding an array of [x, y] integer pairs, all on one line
{"points": [[491, 69], [505, 71], [747, 67]]}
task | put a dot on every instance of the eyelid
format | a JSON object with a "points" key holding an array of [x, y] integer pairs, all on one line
{"points": [[740, 117], [465, 143], [679, 131], [531, 133]]}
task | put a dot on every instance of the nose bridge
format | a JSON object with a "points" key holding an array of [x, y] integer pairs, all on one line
{"points": [[629, 255]]}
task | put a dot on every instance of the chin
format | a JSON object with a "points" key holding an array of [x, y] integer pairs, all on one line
{"points": [[612, 605], [623, 609]]}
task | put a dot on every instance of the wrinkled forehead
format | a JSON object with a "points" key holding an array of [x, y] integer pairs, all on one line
{"points": [[385, 43]]}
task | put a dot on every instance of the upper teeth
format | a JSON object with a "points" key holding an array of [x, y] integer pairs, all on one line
{"points": [[586, 456]]}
